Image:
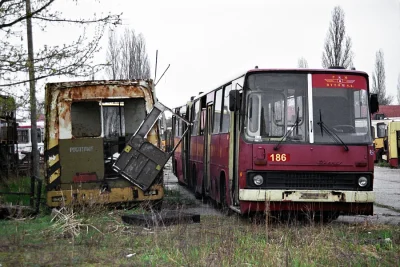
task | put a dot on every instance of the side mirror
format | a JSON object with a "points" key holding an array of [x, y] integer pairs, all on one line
{"points": [[234, 100], [373, 103]]}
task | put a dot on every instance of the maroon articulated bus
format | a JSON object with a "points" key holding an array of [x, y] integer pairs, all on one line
{"points": [[284, 140]]}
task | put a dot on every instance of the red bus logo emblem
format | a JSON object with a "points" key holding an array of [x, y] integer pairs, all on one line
{"points": [[339, 81]]}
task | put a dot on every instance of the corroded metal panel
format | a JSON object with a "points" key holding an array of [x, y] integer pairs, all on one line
{"points": [[61, 95], [80, 156], [59, 100], [141, 162]]}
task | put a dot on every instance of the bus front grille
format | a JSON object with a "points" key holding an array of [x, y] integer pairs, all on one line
{"points": [[308, 180]]}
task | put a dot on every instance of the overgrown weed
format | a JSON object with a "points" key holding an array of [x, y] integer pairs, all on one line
{"points": [[216, 241], [383, 163]]}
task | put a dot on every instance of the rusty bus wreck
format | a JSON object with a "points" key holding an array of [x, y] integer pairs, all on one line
{"points": [[88, 124]]}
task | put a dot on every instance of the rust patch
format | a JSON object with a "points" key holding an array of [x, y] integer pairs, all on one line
{"points": [[59, 98], [104, 91], [341, 196], [83, 90]]}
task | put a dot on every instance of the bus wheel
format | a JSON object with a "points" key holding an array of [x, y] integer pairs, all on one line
{"points": [[379, 154], [329, 216], [223, 203], [204, 198], [197, 194], [194, 180]]}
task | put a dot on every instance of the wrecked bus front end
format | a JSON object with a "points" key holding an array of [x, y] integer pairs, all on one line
{"points": [[88, 124]]}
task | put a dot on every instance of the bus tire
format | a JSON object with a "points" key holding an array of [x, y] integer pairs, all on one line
{"points": [[204, 198], [197, 194], [379, 155], [222, 197], [193, 181]]}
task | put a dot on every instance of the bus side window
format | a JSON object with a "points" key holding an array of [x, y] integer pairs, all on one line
{"points": [[196, 120], [217, 111], [202, 121], [39, 135], [226, 115], [381, 130]]}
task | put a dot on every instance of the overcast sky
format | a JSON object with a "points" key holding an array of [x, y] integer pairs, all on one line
{"points": [[211, 41]]}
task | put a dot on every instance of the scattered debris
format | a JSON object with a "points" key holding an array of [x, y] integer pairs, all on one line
{"points": [[66, 222], [163, 218]]}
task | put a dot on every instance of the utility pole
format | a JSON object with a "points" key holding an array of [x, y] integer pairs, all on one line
{"points": [[32, 90]]}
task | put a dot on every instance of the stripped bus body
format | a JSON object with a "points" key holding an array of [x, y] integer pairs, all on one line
{"points": [[282, 140], [8, 136], [24, 139], [88, 124], [386, 134]]}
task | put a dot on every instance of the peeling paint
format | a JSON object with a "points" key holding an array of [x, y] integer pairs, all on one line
{"points": [[60, 98]]}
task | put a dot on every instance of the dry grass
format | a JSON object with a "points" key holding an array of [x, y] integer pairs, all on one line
{"points": [[68, 238], [65, 222], [99, 238]]}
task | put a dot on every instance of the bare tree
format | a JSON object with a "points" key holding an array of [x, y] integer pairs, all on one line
{"points": [[398, 90], [16, 59], [337, 47], [71, 59], [378, 80], [129, 55], [113, 57], [302, 63]]}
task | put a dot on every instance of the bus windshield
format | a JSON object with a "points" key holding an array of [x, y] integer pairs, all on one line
{"points": [[278, 107], [344, 112]]}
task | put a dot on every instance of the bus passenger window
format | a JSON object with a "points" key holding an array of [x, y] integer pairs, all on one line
{"points": [[217, 111], [196, 119], [202, 121], [39, 135], [226, 115], [23, 136], [381, 131]]}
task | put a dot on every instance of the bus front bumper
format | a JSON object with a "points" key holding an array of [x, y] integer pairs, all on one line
{"points": [[306, 196], [95, 196]]}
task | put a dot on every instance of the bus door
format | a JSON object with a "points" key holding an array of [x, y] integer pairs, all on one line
{"points": [[207, 141], [185, 146], [398, 147], [234, 136]]}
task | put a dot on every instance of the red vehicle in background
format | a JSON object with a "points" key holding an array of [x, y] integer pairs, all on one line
{"points": [[282, 140]]}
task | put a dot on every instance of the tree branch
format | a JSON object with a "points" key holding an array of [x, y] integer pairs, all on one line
{"points": [[109, 17], [22, 18]]}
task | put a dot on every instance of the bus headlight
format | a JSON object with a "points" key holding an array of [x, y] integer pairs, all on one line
{"points": [[362, 181], [258, 180]]}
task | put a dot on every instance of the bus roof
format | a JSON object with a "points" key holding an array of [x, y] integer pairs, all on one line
{"points": [[292, 70], [302, 70], [27, 124], [72, 84]]}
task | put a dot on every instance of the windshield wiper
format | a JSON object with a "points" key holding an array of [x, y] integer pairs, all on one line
{"points": [[331, 134], [296, 124]]}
